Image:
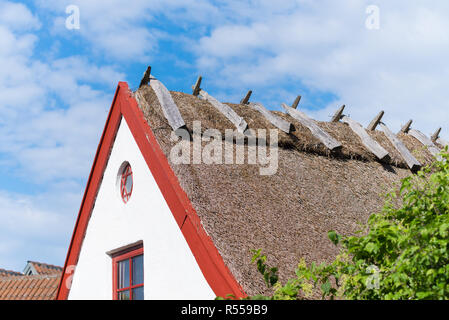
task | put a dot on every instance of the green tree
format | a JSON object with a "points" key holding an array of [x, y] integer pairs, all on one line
{"points": [[402, 253]]}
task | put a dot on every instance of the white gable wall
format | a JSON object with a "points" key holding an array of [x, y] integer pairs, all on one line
{"points": [[171, 271]]}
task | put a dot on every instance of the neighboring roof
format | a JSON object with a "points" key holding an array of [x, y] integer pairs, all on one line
{"points": [[287, 214], [6, 273], [38, 282], [39, 268], [40, 287]]}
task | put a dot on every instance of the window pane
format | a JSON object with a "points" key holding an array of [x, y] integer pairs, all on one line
{"points": [[138, 293], [129, 183], [124, 295], [123, 274], [138, 270]]}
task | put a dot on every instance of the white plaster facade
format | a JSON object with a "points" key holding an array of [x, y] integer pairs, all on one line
{"points": [[170, 269]]}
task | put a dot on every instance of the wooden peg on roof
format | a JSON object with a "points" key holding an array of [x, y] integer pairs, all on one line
{"points": [[406, 128], [197, 87], [245, 100], [146, 77], [296, 102], [339, 114], [436, 135], [373, 125]]}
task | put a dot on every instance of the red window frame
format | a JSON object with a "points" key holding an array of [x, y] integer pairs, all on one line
{"points": [[127, 254], [127, 172]]}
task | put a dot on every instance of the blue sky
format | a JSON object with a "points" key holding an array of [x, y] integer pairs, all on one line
{"points": [[56, 85]]}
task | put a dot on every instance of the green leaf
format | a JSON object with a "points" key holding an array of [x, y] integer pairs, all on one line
{"points": [[423, 295], [326, 287], [334, 237], [371, 247]]}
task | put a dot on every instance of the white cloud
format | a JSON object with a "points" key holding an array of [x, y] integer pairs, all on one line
{"points": [[31, 232], [112, 29], [52, 117], [20, 216], [43, 105], [132, 31], [17, 16], [401, 68]]}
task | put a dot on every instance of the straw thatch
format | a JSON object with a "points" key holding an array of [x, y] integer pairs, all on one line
{"points": [[419, 151], [289, 213]]}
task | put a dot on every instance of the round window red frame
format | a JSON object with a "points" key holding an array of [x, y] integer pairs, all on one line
{"points": [[127, 174]]}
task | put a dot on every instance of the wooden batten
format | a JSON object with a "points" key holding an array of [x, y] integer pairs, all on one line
{"points": [[421, 137], [317, 132], [275, 120], [169, 107], [339, 114], [375, 122], [296, 102], [436, 135], [146, 77], [245, 100], [406, 127], [367, 141], [411, 161], [226, 110], [197, 86]]}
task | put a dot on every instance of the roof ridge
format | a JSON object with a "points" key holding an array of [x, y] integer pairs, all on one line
{"points": [[10, 271], [44, 264], [29, 277], [300, 138]]}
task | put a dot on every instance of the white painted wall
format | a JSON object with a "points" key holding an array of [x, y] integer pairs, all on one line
{"points": [[171, 271]]}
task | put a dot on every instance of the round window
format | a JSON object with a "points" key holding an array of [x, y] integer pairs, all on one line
{"points": [[126, 183]]}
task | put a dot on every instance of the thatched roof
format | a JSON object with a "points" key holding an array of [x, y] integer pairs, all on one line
{"points": [[289, 213]]}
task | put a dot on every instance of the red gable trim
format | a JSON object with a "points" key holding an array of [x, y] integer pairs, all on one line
{"points": [[90, 193], [206, 254]]}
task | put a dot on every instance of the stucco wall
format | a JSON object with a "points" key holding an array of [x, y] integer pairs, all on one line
{"points": [[171, 271]]}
